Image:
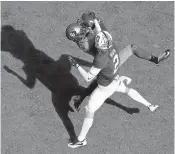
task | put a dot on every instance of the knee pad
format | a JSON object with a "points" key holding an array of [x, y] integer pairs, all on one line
{"points": [[89, 112]]}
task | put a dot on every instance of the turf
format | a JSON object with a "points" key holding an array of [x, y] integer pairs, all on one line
{"points": [[33, 119]]}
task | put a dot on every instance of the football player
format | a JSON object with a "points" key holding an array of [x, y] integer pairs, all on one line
{"points": [[86, 25], [88, 20], [105, 66]]}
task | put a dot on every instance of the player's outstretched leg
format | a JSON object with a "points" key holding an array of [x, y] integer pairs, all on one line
{"points": [[141, 53], [135, 95], [87, 124], [96, 99]]}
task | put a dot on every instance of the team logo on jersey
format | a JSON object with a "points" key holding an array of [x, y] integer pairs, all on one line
{"points": [[103, 40]]}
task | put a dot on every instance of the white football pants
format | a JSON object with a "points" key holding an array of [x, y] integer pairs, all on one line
{"points": [[101, 93]]}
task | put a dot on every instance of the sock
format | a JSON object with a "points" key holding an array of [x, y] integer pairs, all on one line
{"points": [[154, 59], [137, 97], [87, 124]]}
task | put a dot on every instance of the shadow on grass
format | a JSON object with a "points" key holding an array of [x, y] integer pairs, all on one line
{"points": [[55, 75]]}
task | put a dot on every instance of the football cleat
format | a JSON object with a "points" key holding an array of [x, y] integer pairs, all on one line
{"points": [[77, 144], [164, 55], [153, 107]]}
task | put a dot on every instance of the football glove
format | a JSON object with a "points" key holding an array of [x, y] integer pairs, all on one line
{"points": [[73, 62]]}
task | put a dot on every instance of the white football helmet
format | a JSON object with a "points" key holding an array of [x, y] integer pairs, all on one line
{"points": [[103, 40]]}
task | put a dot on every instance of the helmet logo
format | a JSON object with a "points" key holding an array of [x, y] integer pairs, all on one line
{"points": [[72, 34]]}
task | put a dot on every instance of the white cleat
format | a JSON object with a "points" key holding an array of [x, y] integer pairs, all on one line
{"points": [[164, 55], [153, 107], [77, 144]]}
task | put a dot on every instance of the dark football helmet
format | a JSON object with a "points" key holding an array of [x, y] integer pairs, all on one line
{"points": [[75, 32]]}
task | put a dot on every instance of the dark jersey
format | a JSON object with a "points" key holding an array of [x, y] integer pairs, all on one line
{"points": [[108, 61], [87, 44]]}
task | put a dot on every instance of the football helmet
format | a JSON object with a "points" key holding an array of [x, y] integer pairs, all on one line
{"points": [[103, 40], [75, 32]]}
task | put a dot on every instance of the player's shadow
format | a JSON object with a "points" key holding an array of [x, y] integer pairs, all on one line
{"points": [[55, 75]]}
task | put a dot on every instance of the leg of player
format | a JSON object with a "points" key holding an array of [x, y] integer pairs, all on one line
{"points": [[129, 50], [97, 98], [79, 99], [135, 96], [141, 53]]}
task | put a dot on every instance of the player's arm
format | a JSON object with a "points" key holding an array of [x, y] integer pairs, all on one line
{"points": [[97, 26], [88, 76], [31, 77], [101, 23]]}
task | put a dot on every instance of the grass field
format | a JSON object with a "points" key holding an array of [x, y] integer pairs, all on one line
{"points": [[33, 119]]}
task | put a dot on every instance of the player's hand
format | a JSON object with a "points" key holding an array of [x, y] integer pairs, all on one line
{"points": [[73, 62]]}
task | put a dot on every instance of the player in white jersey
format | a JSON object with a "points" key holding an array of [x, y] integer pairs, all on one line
{"points": [[86, 43], [105, 65]]}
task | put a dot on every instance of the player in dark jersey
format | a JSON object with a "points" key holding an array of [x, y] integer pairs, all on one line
{"points": [[87, 20], [105, 65]]}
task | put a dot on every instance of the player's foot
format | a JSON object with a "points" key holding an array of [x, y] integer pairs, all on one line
{"points": [[153, 107], [77, 144], [164, 55]]}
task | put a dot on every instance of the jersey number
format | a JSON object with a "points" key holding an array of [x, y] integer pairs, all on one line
{"points": [[115, 60]]}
